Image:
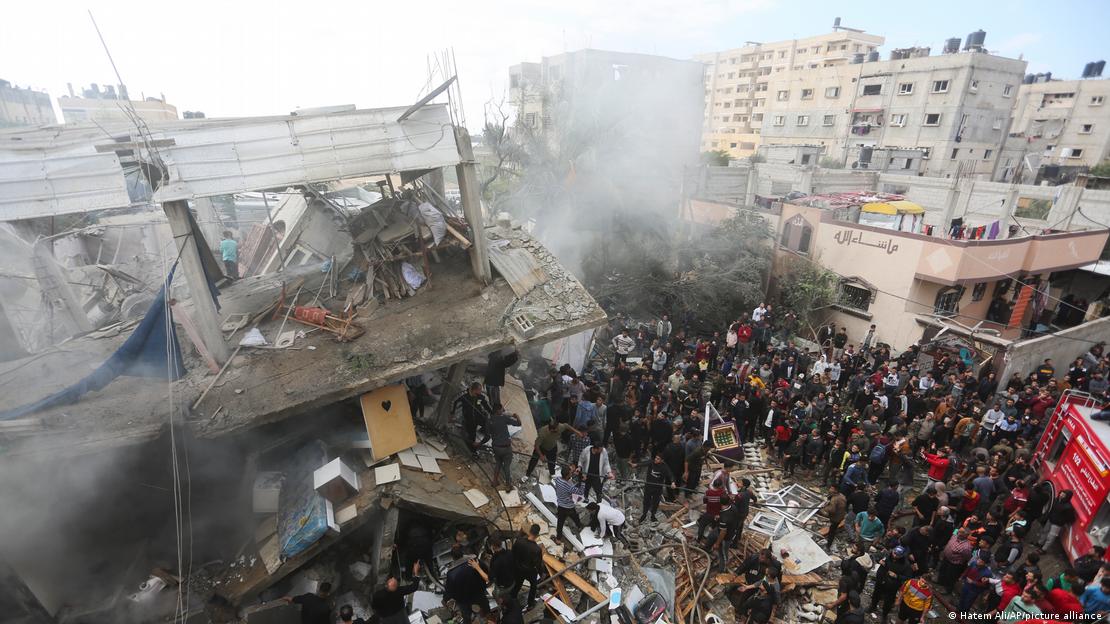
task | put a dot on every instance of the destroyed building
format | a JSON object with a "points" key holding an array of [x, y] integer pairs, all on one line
{"points": [[138, 496]]}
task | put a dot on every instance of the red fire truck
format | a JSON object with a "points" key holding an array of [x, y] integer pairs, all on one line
{"points": [[1074, 454]]}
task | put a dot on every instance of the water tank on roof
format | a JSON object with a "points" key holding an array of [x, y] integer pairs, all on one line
{"points": [[857, 58], [975, 40], [872, 56], [896, 55], [951, 46], [1087, 69], [1048, 76], [1099, 66], [1029, 78]]}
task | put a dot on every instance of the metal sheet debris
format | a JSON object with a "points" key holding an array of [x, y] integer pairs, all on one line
{"points": [[805, 554]]}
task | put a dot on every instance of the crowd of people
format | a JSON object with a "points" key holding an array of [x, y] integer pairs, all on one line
{"points": [[852, 416], [847, 414]]}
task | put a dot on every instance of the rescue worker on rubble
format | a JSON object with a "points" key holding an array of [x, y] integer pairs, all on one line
{"points": [[895, 570], [528, 557], [389, 602], [658, 474], [476, 411]]}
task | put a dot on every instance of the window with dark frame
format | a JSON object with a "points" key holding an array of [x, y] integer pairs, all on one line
{"points": [[978, 291], [853, 296], [948, 301]]}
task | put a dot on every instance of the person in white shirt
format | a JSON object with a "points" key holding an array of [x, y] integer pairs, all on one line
{"points": [[759, 312], [990, 422], [623, 344], [926, 383], [834, 371], [663, 328], [608, 517], [658, 362]]}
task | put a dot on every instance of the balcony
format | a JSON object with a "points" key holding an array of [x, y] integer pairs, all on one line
{"points": [[967, 262]]}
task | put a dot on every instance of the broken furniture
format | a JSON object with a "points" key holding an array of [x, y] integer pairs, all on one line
{"points": [[388, 420]]}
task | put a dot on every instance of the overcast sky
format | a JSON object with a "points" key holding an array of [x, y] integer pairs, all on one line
{"points": [[246, 57]]}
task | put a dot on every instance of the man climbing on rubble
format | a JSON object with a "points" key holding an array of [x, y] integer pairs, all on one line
{"points": [[389, 602], [593, 465], [712, 501], [836, 509], [476, 410], [727, 531], [528, 557], [316, 607], [547, 446], [567, 485], [496, 365], [608, 519], [466, 585], [502, 441], [658, 474]]}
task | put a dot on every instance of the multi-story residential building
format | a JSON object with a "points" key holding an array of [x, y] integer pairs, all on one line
{"points": [[1057, 124], [24, 106], [894, 276], [109, 105], [953, 108], [738, 91]]}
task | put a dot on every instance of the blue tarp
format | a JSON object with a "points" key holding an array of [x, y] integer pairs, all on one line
{"points": [[143, 354]]}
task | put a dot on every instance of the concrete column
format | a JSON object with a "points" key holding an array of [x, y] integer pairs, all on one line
{"points": [[448, 391], [435, 180], [209, 220], [1006, 210], [472, 206], [204, 307], [749, 191], [55, 285]]}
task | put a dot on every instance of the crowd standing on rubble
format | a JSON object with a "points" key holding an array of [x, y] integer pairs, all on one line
{"points": [[850, 416]]}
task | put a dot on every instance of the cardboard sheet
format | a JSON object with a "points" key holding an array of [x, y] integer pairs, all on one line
{"points": [[388, 419]]}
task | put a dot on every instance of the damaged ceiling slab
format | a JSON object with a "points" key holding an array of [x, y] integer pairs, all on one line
{"points": [[452, 319], [76, 169]]}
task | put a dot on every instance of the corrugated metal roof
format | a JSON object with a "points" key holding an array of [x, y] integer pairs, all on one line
{"points": [[517, 266], [56, 170]]}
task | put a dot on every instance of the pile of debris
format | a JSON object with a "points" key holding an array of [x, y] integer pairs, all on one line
{"points": [[395, 237]]}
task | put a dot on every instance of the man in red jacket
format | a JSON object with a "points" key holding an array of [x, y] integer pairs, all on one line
{"points": [[712, 500], [938, 464], [1066, 601]]}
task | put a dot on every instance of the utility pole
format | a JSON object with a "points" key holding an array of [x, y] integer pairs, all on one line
{"points": [[204, 306], [472, 206]]}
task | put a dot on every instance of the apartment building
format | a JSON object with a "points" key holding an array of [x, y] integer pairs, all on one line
{"points": [[108, 104], [738, 93], [953, 108], [1057, 124], [24, 106]]}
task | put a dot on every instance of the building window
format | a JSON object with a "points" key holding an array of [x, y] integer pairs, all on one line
{"points": [[732, 145], [828, 120], [1007, 90], [783, 96], [757, 117], [898, 119], [782, 53], [853, 296], [948, 301], [978, 291], [832, 92], [760, 86], [932, 119], [1086, 128], [997, 124], [987, 154], [1096, 100], [530, 120], [905, 88], [796, 233], [1073, 152], [780, 120], [803, 120], [874, 89], [925, 152], [974, 86], [940, 86], [908, 164], [807, 94], [955, 153]]}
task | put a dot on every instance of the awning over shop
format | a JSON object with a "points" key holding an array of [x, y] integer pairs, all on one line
{"points": [[893, 208]]}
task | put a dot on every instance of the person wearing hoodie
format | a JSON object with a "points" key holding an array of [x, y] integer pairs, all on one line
{"points": [[1060, 516]]}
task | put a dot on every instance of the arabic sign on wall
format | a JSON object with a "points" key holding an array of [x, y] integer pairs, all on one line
{"points": [[849, 238]]}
